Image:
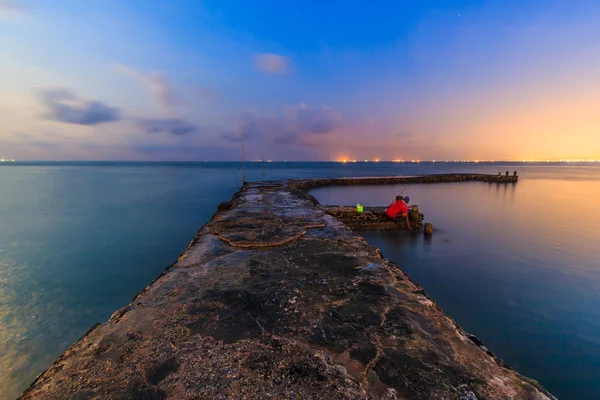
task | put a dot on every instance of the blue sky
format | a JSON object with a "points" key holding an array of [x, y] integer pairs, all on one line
{"points": [[179, 80]]}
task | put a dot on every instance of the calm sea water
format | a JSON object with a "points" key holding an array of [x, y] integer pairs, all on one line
{"points": [[517, 265]]}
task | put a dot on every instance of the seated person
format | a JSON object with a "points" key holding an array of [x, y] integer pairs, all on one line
{"points": [[399, 209]]}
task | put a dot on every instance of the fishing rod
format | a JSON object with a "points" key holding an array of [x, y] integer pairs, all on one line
{"points": [[403, 190], [243, 158], [399, 194], [236, 181]]}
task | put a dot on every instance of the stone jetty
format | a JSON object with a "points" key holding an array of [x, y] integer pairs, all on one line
{"points": [[275, 298]]}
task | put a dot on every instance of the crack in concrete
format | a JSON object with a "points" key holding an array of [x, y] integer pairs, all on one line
{"points": [[378, 345]]}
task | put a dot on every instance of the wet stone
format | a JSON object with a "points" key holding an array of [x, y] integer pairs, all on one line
{"points": [[158, 373], [419, 377], [230, 326], [365, 352]]}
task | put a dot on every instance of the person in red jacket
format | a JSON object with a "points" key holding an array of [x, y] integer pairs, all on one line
{"points": [[399, 209]]}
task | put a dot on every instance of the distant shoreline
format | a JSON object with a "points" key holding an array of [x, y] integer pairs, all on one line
{"points": [[254, 162]]}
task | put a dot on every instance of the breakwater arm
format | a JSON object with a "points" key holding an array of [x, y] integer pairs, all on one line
{"points": [[308, 184], [275, 298]]}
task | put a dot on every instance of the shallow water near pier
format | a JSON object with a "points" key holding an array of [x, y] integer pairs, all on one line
{"points": [[517, 265]]}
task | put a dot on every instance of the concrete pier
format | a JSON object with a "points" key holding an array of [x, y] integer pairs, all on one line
{"points": [[277, 299], [307, 184]]}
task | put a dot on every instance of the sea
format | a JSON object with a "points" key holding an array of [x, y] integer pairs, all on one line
{"points": [[517, 265]]}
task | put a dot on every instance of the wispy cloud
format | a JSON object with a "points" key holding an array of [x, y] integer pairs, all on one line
{"points": [[156, 82], [188, 152], [172, 126], [11, 8], [272, 63], [37, 141], [11, 5], [315, 120], [292, 126], [173, 104], [165, 94], [65, 106], [203, 93]]}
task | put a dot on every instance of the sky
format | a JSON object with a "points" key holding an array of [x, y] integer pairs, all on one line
{"points": [[391, 80]]}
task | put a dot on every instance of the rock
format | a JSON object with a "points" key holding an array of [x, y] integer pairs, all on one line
{"points": [[428, 228], [372, 218], [226, 205]]}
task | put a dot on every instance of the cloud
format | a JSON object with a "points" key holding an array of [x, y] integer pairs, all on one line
{"points": [[64, 106], [204, 93], [184, 152], [10, 9], [272, 63], [36, 141], [316, 120], [162, 90], [10, 5], [172, 126], [291, 127]]}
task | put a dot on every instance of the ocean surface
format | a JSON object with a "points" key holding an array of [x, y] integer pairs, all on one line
{"points": [[518, 265]]}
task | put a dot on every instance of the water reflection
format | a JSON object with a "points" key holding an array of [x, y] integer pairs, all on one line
{"points": [[516, 264]]}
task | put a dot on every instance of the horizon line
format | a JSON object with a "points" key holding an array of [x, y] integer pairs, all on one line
{"points": [[344, 161]]}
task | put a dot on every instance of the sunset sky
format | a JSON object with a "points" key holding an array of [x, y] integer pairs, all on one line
{"points": [[419, 79]]}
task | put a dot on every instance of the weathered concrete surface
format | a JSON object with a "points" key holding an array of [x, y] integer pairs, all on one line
{"points": [[275, 299], [372, 218]]}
